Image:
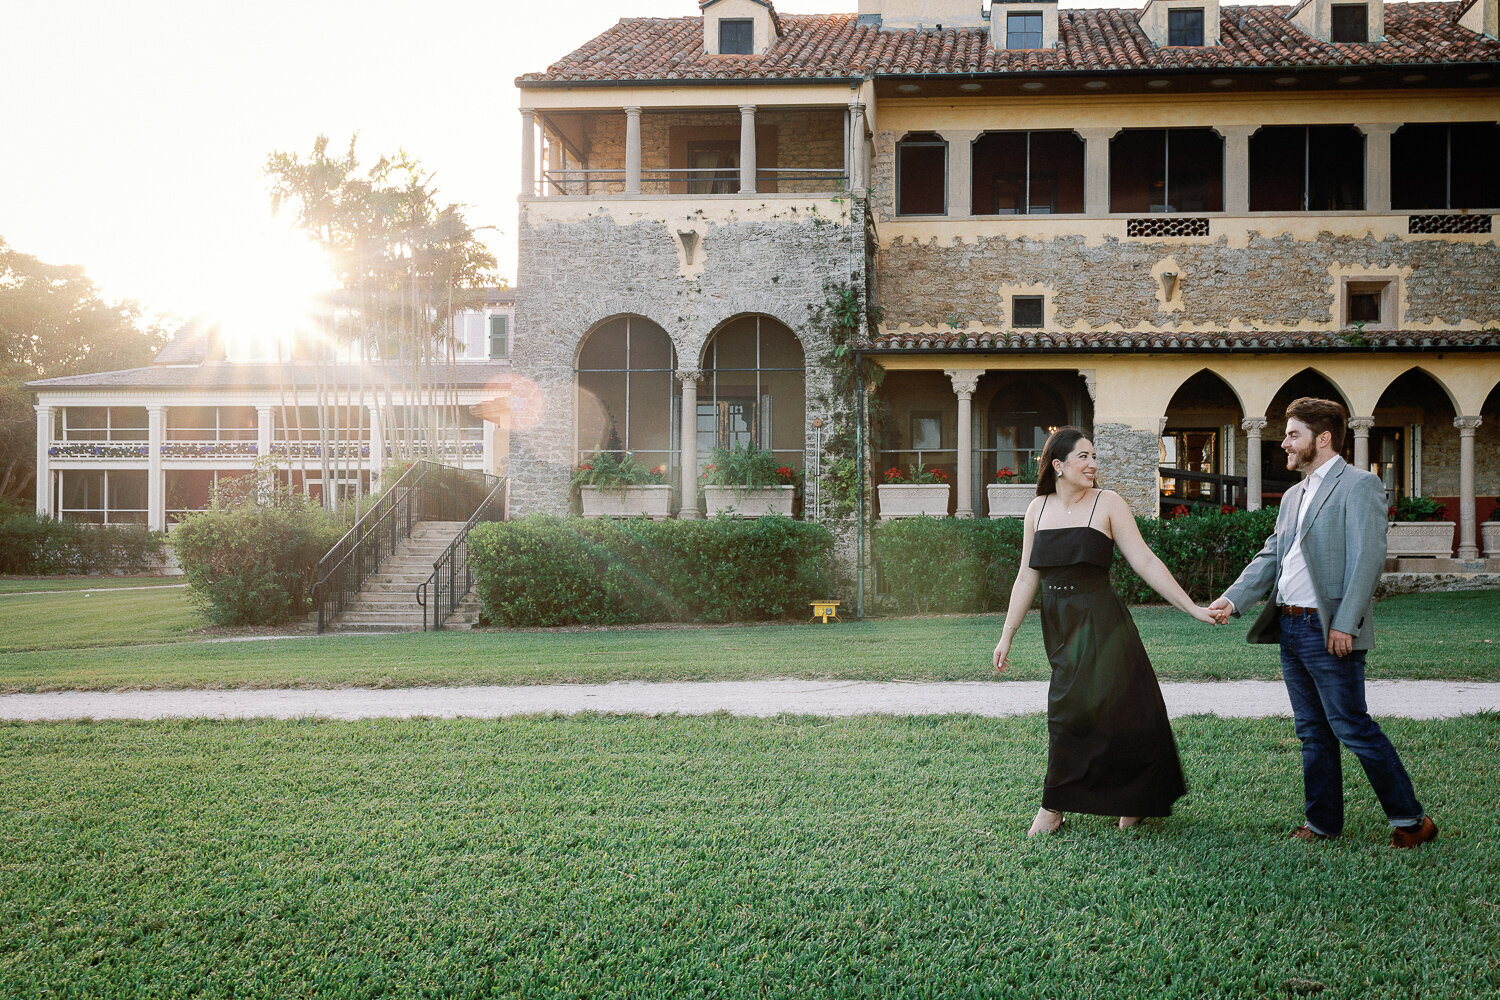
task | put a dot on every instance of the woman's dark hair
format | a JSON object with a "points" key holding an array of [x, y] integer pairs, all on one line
{"points": [[1058, 446]]}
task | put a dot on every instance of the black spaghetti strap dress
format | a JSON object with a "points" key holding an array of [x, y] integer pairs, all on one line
{"points": [[1110, 749]]}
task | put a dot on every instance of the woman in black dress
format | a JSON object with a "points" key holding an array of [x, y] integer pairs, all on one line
{"points": [[1110, 749]]}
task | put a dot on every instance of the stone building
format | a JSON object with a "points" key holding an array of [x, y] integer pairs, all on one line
{"points": [[1159, 223], [146, 445]]}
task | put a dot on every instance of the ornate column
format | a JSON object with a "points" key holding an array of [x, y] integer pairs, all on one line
{"points": [[1361, 428], [964, 380], [1377, 164], [1252, 426], [156, 503], [855, 168], [632, 150], [528, 152], [689, 435], [1468, 551], [1096, 169], [1236, 167], [43, 467], [960, 172], [747, 149]]}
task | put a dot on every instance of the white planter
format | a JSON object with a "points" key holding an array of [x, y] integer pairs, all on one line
{"points": [[743, 501], [1010, 499], [1490, 531], [913, 500], [1427, 539], [654, 502]]}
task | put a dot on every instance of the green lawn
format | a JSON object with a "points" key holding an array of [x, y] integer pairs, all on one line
{"points": [[716, 857], [32, 584], [64, 641]]}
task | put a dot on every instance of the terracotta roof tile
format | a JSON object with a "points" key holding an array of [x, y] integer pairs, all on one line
{"points": [[1326, 340], [834, 46]]}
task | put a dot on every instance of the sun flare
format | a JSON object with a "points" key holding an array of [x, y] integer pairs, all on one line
{"points": [[274, 289]]}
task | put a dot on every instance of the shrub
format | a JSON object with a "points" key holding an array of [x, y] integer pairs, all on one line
{"points": [[611, 471], [249, 558], [1421, 508], [545, 571], [950, 565], [748, 467], [32, 545]]}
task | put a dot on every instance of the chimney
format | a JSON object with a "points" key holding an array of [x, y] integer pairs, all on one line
{"points": [[1481, 17]]}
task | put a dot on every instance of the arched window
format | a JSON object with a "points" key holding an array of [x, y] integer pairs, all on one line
{"points": [[921, 174], [1021, 416], [627, 396], [754, 392]]}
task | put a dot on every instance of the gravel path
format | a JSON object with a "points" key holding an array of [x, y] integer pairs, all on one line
{"points": [[1234, 699]]}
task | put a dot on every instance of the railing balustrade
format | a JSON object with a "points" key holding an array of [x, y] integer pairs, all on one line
{"points": [[452, 576], [700, 180]]}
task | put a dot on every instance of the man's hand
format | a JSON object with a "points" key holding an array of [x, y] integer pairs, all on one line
{"points": [[1221, 609], [1340, 643]]}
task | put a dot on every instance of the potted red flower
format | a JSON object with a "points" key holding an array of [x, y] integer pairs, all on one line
{"points": [[914, 492]]}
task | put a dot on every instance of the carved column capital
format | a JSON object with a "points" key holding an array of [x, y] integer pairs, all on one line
{"points": [[1467, 425], [1358, 424], [1091, 382], [689, 376], [964, 379], [1253, 425]]}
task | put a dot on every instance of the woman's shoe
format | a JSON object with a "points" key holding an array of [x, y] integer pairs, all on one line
{"points": [[1126, 822], [1046, 821]]}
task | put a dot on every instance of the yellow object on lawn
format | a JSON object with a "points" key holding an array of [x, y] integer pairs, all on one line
{"points": [[826, 610]]}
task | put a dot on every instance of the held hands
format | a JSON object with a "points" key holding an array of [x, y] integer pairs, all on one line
{"points": [[1221, 610], [1208, 615]]}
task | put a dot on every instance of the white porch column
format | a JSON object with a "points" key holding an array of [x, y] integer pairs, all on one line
{"points": [[689, 435], [263, 432], [1467, 550], [1377, 164], [156, 502], [632, 150], [1361, 428], [747, 149], [960, 172], [528, 152], [855, 167], [964, 380], [1252, 426], [377, 446], [1236, 167], [43, 466], [1096, 169]]}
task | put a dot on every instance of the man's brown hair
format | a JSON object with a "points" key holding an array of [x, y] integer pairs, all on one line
{"points": [[1321, 415]]}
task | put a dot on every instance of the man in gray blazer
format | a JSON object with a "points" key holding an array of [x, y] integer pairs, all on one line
{"points": [[1321, 566]]}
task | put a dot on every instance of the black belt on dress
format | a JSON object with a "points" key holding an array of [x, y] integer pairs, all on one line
{"points": [[1294, 610]]}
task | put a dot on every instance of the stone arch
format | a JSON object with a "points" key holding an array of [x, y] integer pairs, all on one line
{"points": [[1432, 376], [626, 390], [1202, 434], [1307, 382], [754, 388], [1413, 445]]}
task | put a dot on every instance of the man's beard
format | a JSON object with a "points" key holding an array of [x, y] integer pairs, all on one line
{"points": [[1301, 458]]}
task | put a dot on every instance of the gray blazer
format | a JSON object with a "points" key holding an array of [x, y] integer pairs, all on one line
{"points": [[1343, 541]]}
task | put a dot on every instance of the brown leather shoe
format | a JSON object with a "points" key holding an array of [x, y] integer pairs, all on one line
{"points": [[1308, 834], [1411, 838]]}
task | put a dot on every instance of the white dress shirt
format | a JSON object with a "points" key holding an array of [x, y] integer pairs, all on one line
{"points": [[1296, 584]]}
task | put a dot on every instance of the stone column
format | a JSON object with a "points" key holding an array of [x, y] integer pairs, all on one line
{"points": [[1096, 169], [964, 381], [1361, 428], [747, 149], [689, 510], [1468, 551], [1236, 167], [632, 150], [1377, 164], [528, 152], [960, 172], [156, 502], [43, 466], [855, 168], [1252, 426], [377, 446]]}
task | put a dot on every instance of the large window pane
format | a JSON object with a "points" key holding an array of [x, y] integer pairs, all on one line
{"points": [[626, 391], [1195, 170], [1138, 171], [1028, 173], [756, 395], [921, 174], [1475, 166], [1335, 168], [1296, 168]]}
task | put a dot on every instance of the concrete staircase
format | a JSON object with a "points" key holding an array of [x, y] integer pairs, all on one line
{"points": [[388, 601]]}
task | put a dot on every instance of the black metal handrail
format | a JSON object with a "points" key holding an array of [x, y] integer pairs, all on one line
{"points": [[452, 576], [425, 491], [1231, 490]]}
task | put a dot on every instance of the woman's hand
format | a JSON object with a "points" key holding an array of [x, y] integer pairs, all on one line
{"points": [[1002, 654], [1206, 615]]}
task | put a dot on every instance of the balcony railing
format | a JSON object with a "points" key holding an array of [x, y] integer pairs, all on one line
{"points": [[686, 180]]}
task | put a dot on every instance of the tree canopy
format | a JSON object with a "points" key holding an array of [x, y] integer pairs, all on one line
{"points": [[53, 323]]}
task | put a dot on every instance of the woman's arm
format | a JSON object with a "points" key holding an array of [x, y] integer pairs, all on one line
{"points": [[1022, 591], [1138, 554]]}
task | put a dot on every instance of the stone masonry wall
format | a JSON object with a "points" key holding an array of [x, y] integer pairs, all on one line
{"points": [[1127, 464], [1273, 283], [575, 271]]}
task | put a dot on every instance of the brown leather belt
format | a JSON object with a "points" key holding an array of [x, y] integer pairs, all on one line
{"points": [[1294, 610]]}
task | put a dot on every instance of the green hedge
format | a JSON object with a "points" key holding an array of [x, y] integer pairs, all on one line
{"points": [[41, 546], [541, 570], [926, 564], [252, 565]]}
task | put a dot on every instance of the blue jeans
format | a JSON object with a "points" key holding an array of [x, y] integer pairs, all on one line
{"points": [[1328, 703]]}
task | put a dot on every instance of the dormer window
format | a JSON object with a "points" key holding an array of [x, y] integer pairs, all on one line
{"points": [[1185, 26], [1023, 31], [736, 36], [1348, 22]]}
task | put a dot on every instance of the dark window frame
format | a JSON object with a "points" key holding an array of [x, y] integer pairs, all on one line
{"points": [[1029, 34], [1185, 33], [736, 36], [503, 334], [920, 140], [1328, 173], [1465, 180], [1341, 23], [1039, 302], [1187, 176]]}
